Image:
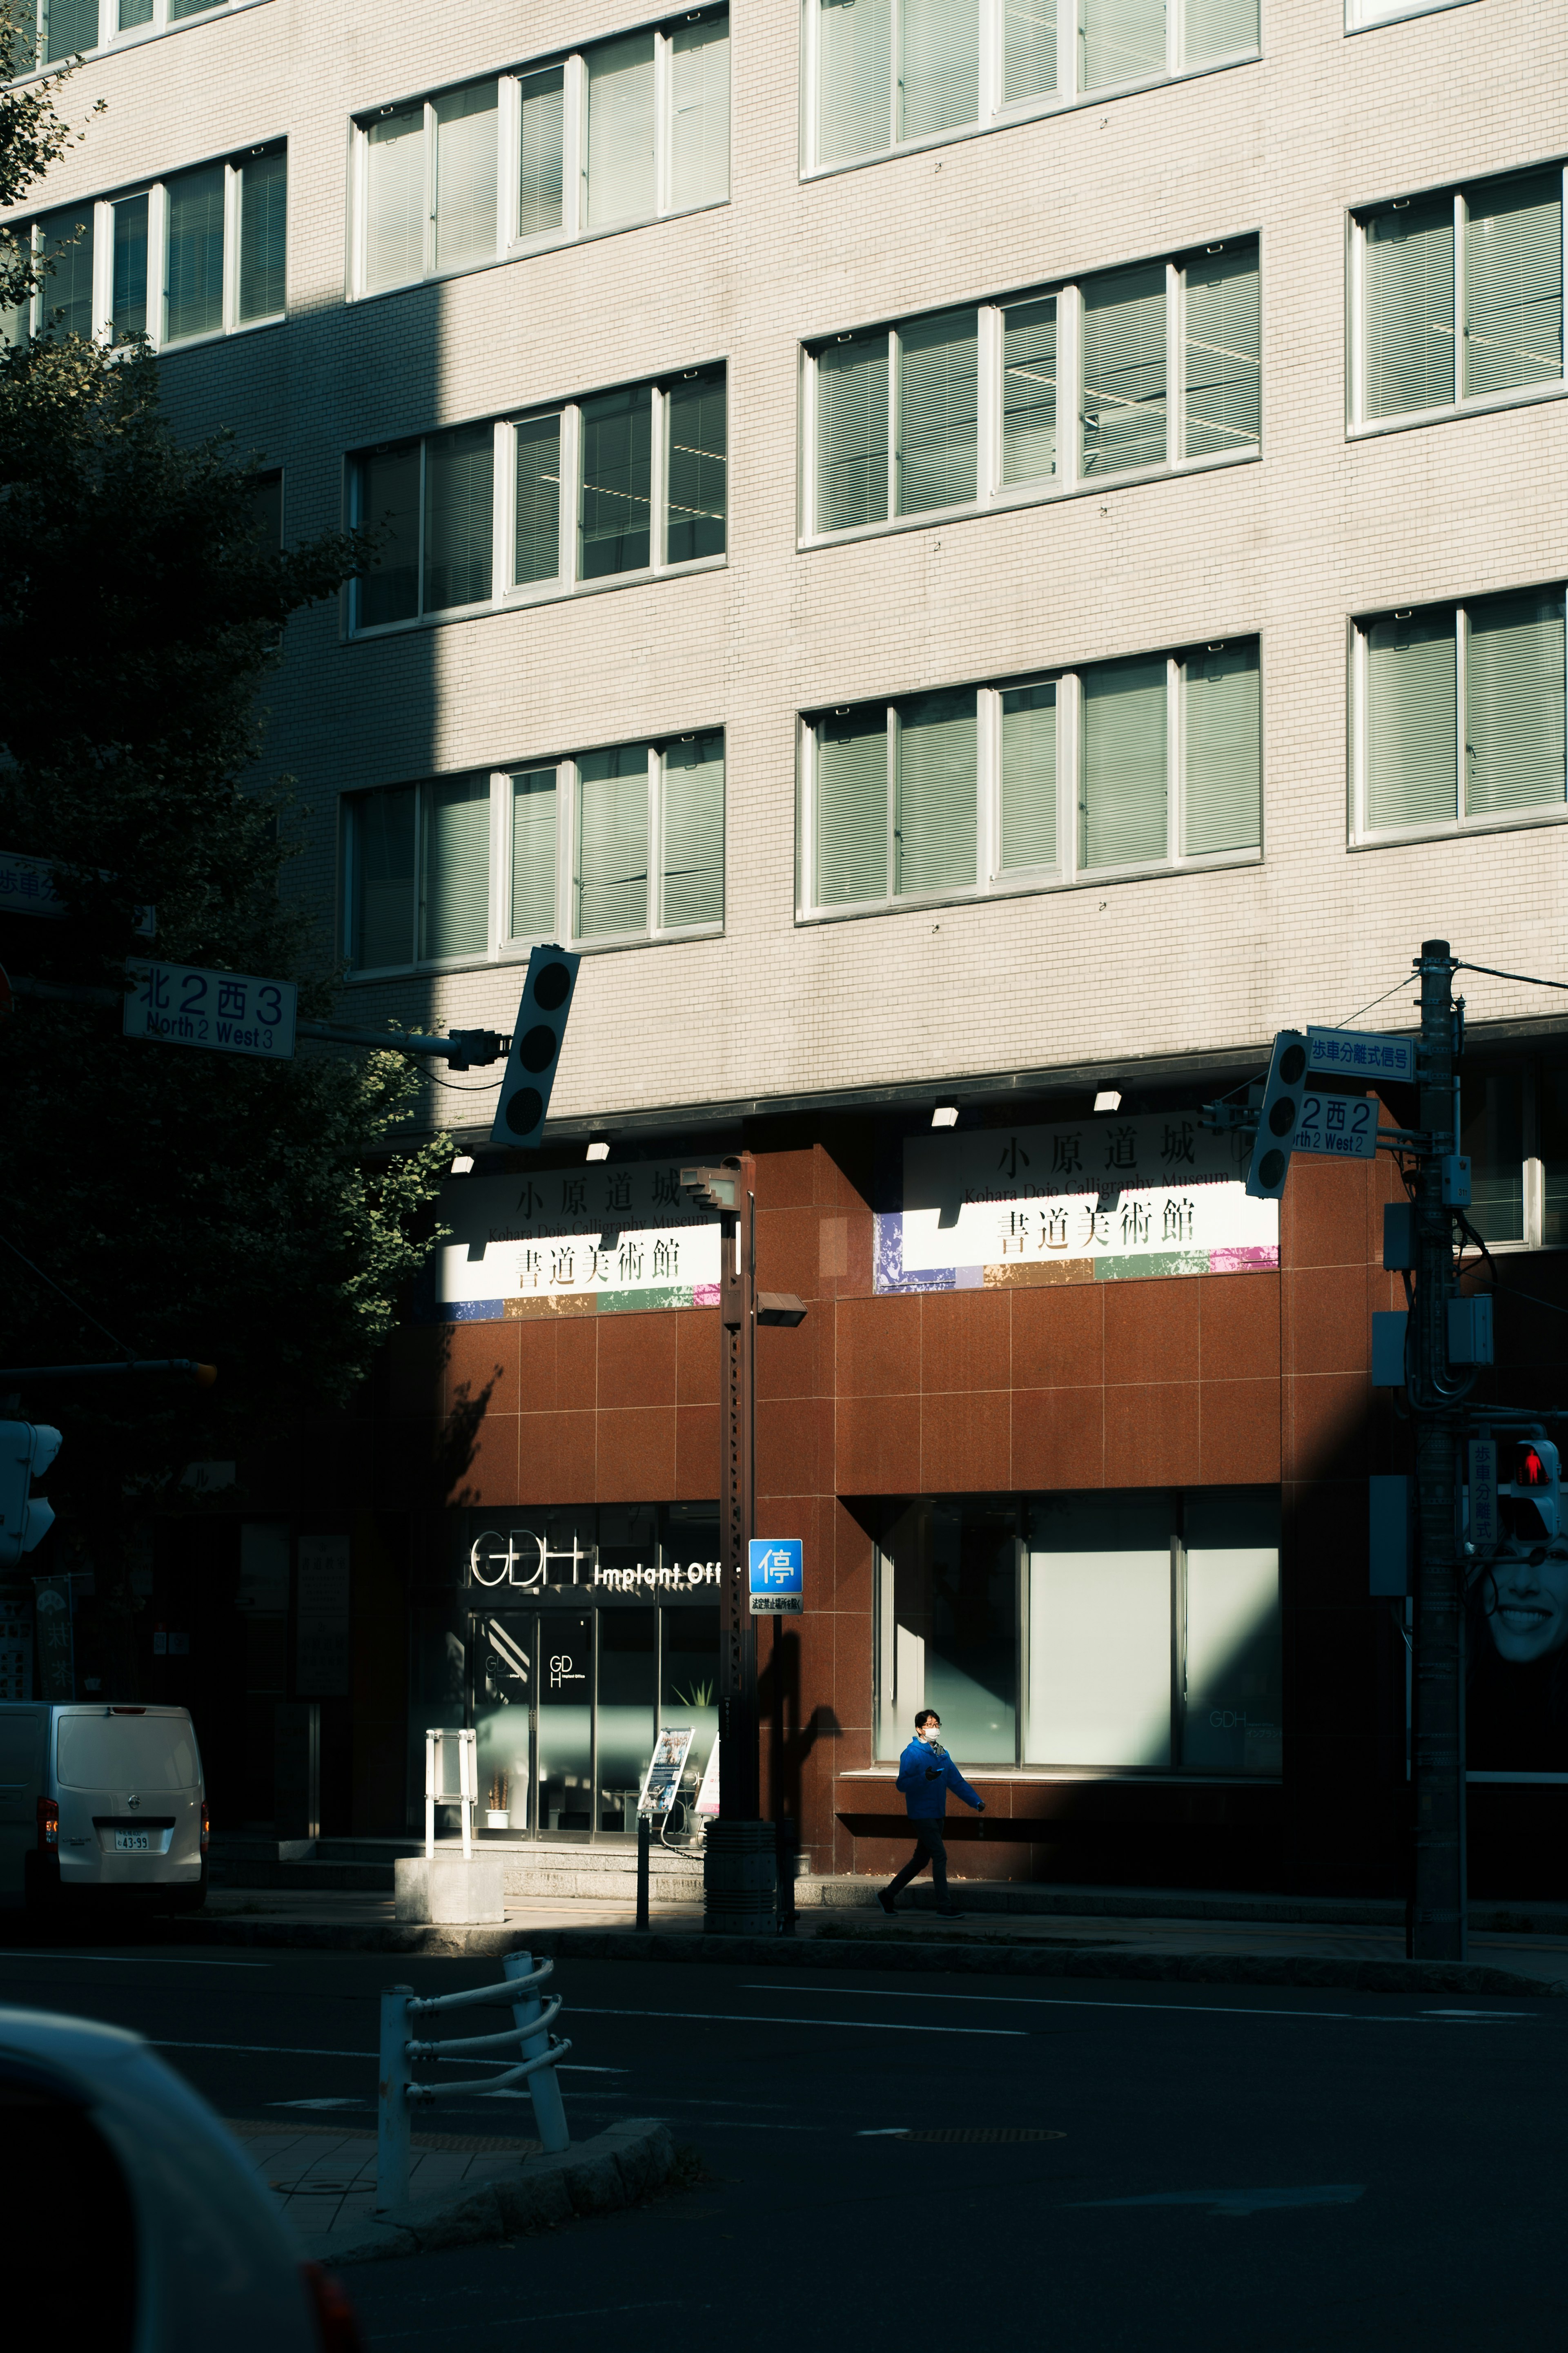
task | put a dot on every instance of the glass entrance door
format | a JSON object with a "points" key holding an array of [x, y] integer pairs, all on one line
{"points": [[564, 1774], [505, 1650]]}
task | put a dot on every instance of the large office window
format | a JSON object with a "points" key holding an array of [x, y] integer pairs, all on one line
{"points": [[1136, 371], [54, 30], [605, 847], [626, 483], [1131, 1632], [606, 137], [1458, 297], [221, 231], [1121, 767], [884, 74], [1459, 714]]}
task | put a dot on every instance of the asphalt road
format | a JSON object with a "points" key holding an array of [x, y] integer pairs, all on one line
{"points": [[1234, 2166]]}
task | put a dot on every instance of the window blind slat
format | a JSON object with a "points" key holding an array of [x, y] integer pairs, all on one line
{"points": [[1223, 354], [612, 842], [1410, 309], [194, 207], [1513, 285], [454, 899], [934, 836], [459, 517], [68, 26], [852, 434], [128, 314], [389, 504], [694, 831], [467, 155], [542, 101], [699, 109], [1514, 705], [622, 183], [618, 480], [263, 223], [1028, 777], [1122, 818], [1029, 50], [1124, 407], [536, 554], [938, 68], [1029, 390], [854, 77], [533, 808], [1119, 40], [852, 808], [1410, 721], [938, 395], [696, 494], [65, 292], [395, 199], [1222, 715], [1219, 28], [382, 827]]}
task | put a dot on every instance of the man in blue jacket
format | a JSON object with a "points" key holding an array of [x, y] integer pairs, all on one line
{"points": [[926, 1774]]}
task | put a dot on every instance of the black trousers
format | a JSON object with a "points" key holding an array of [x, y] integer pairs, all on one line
{"points": [[932, 1848]]}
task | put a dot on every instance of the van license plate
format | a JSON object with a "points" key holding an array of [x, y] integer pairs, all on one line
{"points": [[131, 1842]]}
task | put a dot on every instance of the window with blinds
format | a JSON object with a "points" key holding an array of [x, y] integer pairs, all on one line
{"points": [[894, 413], [887, 73], [1461, 714], [1459, 297], [51, 32], [628, 484], [223, 235], [627, 130], [603, 846], [1148, 762]]}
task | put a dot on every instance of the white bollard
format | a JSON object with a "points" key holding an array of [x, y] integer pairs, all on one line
{"points": [[549, 2109]]}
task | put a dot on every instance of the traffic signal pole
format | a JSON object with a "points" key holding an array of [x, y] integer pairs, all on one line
{"points": [[1437, 1741]]}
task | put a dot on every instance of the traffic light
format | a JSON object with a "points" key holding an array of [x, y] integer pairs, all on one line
{"points": [[1278, 1116], [714, 1189], [1530, 1502], [535, 1046], [26, 1450]]}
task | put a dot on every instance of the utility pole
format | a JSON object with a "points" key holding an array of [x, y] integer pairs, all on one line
{"points": [[738, 1778], [1437, 1743]]}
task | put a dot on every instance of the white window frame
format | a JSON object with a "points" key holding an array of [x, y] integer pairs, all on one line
{"points": [[155, 192], [1069, 871], [503, 592], [995, 114], [1362, 835], [1368, 15], [1358, 423], [110, 35], [1069, 480], [573, 65], [502, 945]]}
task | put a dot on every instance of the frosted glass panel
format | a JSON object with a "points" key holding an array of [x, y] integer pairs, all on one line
{"points": [[694, 831], [1119, 40], [263, 221], [128, 314], [938, 409], [1224, 781], [697, 496], [536, 554], [542, 98], [1029, 50], [389, 506], [950, 1626], [699, 114], [194, 208], [939, 71], [854, 78], [1514, 703], [1513, 284], [1410, 723], [466, 161], [852, 808], [460, 516], [852, 434], [1224, 403], [1123, 817], [617, 476], [612, 841], [395, 199], [1124, 370], [383, 849], [1410, 308], [621, 179], [1219, 28], [534, 806], [454, 913], [1028, 777], [1029, 390], [1234, 1695], [1099, 1632], [65, 292], [935, 833]]}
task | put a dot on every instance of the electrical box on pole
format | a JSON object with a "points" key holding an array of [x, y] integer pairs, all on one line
{"points": [[530, 1066]]}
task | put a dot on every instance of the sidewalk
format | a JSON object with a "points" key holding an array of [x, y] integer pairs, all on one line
{"points": [[1330, 1951]]}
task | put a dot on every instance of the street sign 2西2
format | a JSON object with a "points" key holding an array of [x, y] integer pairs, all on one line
{"points": [[777, 1577], [1344, 1127]]}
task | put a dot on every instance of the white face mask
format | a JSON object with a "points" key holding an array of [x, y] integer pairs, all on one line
{"points": [[930, 1733]]}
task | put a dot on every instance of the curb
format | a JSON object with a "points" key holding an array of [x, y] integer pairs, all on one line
{"points": [[912, 1956], [614, 2170]]}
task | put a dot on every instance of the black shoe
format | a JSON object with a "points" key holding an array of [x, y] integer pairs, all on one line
{"points": [[886, 1901], [949, 1912]]}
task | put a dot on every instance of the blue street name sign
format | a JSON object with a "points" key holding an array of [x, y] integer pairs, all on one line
{"points": [[778, 1577]]}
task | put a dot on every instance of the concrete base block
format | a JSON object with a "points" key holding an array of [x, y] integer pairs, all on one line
{"points": [[448, 1891]]}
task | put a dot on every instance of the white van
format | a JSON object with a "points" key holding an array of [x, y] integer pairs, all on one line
{"points": [[103, 1800]]}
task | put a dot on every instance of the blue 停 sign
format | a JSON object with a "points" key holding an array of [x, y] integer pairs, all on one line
{"points": [[777, 1576]]}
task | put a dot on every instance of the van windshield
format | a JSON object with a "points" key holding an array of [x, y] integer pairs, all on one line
{"points": [[128, 1752]]}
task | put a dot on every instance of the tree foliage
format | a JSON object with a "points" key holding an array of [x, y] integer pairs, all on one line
{"points": [[243, 1212]]}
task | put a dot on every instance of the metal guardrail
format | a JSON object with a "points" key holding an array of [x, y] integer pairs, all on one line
{"points": [[540, 2054]]}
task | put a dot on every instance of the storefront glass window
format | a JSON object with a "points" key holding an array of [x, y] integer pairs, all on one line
{"points": [[504, 1684], [689, 1688], [1493, 1134], [1099, 1631], [1231, 1720], [627, 1643], [951, 1629], [565, 1769]]}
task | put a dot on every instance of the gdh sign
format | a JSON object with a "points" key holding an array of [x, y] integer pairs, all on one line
{"points": [[521, 1559]]}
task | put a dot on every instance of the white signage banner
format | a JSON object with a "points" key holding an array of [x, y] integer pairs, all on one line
{"points": [[1089, 1200], [574, 1241]]}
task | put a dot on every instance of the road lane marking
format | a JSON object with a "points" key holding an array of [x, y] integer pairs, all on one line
{"points": [[132, 1960], [1237, 2202], [1196, 2009], [517, 2319], [747, 2018]]}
